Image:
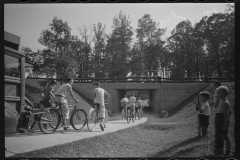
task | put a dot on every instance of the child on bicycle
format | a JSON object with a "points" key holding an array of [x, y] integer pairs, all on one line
{"points": [[99, 100], [60, 96], [124, 102], [132, 103], [48, 96], [140, 106]]}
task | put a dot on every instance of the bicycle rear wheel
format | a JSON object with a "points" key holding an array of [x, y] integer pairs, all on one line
{"points": [[78, 119], [122, 114], [105, 122], [45, 120], [128, 116], [91, 122]]}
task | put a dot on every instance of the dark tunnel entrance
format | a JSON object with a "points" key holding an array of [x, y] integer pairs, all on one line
{"points": [[145, 96]]}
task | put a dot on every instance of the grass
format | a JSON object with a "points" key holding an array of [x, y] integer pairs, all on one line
{"points": [[174, 136]]}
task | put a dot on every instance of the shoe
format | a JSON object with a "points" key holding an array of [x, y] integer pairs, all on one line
{"points": [[65, 128], [101, 127]]}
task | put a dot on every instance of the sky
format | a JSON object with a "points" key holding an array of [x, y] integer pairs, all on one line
{"points": [[29, 20]]}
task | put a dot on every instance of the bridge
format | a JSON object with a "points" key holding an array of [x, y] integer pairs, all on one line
{"points": [[164, 93], [162, 96]]}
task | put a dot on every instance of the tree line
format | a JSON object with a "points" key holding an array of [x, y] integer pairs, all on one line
{"points": [[203, 49]]}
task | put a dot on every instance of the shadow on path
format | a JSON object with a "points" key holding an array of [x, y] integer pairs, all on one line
{"points": [[174, 147]]}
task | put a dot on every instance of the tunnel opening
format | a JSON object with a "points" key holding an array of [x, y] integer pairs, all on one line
{"points": [[145, 96]]}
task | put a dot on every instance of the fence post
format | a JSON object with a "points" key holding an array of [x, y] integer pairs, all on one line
{"points": [[61, 80], [92, 79], [159, 79]]}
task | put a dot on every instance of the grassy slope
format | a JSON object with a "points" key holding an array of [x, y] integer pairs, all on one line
{"points": [[170, 137]]}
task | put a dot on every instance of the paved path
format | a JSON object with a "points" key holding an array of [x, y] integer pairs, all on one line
{"points": [[29, 141]]}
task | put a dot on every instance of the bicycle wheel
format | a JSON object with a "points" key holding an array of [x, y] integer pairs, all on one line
{"points": [[91, 122], [32, 121], [45, 121], [78, 119], [105, 121], [128, 116], [132, 114], [53, 116], [122, 114]]}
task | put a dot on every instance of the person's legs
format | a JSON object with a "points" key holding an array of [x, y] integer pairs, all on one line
{"points": [[219, 143], [101, 116], [65, 111]]}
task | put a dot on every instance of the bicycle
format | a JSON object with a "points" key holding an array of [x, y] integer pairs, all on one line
{"points": [[39, 115], [137, 113], [124, 112], [78, 117], [130, 115], [93, 118]]}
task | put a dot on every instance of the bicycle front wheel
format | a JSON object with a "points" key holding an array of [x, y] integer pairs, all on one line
{"points": [[91, 122], [46, 122], [105, 122], [54, 116], [78, 119]]}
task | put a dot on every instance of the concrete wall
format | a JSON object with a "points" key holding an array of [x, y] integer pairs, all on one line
{"points": [[163, 96]]}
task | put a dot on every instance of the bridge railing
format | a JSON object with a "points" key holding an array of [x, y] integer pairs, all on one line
{"points": [[150, 80]]}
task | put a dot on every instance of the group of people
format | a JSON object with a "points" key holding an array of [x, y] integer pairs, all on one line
{"points": [[131, 104], [50, 97], [221, 107], [222, 111]]}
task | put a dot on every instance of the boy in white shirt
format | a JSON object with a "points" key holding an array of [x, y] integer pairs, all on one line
{"points": [[203, 113], [124, 102], [60, 96], [99, 101]]}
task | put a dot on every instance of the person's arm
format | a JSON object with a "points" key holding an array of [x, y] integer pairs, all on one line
{"points": [[226, 115], [202, 109], [51, 92], [41, 93], [71, 92], [109, 96]]}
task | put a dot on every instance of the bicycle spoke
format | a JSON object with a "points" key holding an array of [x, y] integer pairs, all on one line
{"points": [[78, 119]]}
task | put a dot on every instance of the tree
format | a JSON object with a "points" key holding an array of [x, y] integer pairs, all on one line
{"points": [[57, 40], [99, 49], [119, 46], [150, 44]]}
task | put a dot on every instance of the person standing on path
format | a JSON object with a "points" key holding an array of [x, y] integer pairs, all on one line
{"points": [[60, 97], [203, 113], [222, 122], [99, 101]]}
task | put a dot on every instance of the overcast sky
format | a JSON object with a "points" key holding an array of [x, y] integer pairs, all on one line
{"points": [[29, 20]]}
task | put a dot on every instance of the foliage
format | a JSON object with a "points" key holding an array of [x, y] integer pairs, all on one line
{"points": [[203, 49]]}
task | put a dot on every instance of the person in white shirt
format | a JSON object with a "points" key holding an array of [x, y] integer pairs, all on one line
{"points": [[140, 106], [203, 113], [99, 101], [60, 96], [124, 102], [132, 103]]}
